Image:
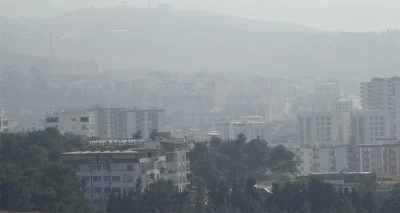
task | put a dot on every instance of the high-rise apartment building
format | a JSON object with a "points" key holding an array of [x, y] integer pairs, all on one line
{"points": [[342, 110], [382, 94], [108, 123], [368, 126], [121, 123], [144, 120], [326, 93], [317, 127]]}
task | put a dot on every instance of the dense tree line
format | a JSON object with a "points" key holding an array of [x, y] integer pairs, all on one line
{"points": [[221, 183], [32, 176]]}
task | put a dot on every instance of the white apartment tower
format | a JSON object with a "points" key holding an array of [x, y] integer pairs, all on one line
{"points": [[383, 94], [368, 126], [108, 122], [317, 127]]}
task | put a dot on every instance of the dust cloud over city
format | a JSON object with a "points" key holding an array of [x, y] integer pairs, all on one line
{"points": [[199, 106]]}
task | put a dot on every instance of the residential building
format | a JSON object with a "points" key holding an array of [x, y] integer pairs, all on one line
{"points": [[382, 158], [333, 157], [144, 120], [251, 128], [322, 158], [317, 126], [4, 126], [342, 111], [307, 159], [119, 163], [382, 94], [326, 93], [73, 120], [367, 126], [108, 122]]}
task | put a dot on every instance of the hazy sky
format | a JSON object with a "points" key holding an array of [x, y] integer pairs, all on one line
{"points": [[344, 15]]}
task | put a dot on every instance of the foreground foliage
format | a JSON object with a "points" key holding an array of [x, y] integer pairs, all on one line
{"points": [[32, 176]]}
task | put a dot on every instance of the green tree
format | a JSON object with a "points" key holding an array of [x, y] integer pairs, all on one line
{"points": [[137, 136], [32, 176], [153, 135]]}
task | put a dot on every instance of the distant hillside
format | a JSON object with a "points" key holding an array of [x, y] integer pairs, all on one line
{"points": [[121, 37]]}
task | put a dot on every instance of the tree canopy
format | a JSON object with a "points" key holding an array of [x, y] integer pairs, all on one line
{"points": [[32, 176]]}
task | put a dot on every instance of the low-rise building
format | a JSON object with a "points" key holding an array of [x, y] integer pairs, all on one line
{"points": [[112, 166], [382, 158], [322, 158], [251, 126]]}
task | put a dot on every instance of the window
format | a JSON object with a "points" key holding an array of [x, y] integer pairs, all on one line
{"points": [[73, 119], [52, 120], [129, 167], [106, 178], [116, 178], [97, 167], [106, 167], [96, 178], [97, 190], [107, 190], [86, 178], [84, 119], [127, 178], [116, 190]]}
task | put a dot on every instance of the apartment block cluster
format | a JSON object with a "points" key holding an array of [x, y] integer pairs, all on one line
{"points": [[114, 166], [337, 137]]}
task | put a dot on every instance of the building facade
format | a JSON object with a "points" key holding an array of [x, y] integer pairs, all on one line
{"points": [[382, 94], [250, 128], [368, 126], [144, 120], [108, 123], [4, 126], [326, 158], [114, 169], [317, 127], [382, 158], [69, 120]]}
